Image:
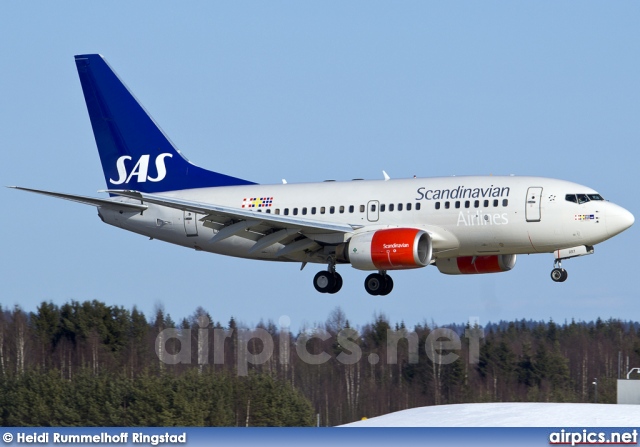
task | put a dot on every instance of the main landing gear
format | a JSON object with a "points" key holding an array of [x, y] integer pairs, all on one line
{"points": [[379, 283], [328, 281], [558, 274]]}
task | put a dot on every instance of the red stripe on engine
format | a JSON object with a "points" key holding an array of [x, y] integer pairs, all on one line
{"points": [[482, 264], [488, 264], [393, 257], [465, 265]]}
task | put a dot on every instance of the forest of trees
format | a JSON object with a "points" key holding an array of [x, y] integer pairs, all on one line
{"points": [[90, 364]]}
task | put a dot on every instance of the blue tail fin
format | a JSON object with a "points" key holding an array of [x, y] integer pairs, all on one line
{"points": [[134, 152]]}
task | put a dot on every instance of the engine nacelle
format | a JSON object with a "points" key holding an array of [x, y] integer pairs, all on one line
{"points": [[471, 265], [392, 249]]}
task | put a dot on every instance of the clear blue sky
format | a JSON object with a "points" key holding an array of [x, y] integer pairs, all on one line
{"points": [[309, 91]]}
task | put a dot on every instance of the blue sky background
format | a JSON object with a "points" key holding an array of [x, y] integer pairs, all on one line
{"points": [[309, 91]]}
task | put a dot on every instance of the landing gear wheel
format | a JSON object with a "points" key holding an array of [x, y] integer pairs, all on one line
{"points": [[374, 283], [325, 282], [559, 275], [388, 285], [565, 275], [338, 283], [377, 284]]}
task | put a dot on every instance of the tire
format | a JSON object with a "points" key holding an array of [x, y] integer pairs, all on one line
{"points": [[374, 284], [559, 275], [565, 275], [324, 281], [338, 283], [388, 286]]}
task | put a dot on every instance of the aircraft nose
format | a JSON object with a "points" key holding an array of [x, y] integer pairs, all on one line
{"points": [[618, 220]]}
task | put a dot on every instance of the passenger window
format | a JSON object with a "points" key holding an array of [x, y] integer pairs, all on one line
{"points": [[382, 207], [390, 207], [295, 211], [418, 206], [486, 204], [286, 211], [446, 205], [351, 208], [277, 211], [332, 210], [476, 204], [495, 203], [268, 211], [304, 211], [437, 205], [505, 202], [313, 210], [399, 206], [408, 207], [341, 209], [467, 204], [362, 208], [322, 210], [457, 204]]}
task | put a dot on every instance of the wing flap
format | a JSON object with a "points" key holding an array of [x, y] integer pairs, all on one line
{"points": [[271, 239]]}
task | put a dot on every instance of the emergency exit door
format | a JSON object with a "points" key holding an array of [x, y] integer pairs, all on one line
{"points": [[373, 212], [190, 223]]}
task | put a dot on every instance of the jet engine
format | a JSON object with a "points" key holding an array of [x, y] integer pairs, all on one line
{"points": [[470, 265], [391, 249]]}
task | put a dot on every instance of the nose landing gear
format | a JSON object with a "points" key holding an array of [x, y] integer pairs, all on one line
{"points": [[558, 274]]}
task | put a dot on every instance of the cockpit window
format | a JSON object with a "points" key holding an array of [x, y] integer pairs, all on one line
{"points": [[582, 198]]}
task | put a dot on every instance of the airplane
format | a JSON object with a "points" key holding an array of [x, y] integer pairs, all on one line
{"points": [[462, 225]]}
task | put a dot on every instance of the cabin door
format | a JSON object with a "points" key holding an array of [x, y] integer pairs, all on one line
{"points": [[532, 210]]}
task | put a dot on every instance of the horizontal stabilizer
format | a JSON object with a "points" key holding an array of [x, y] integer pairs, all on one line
{"points": [[87, 200]]}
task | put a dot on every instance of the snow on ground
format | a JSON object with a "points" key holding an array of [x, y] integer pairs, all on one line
{"points": [[510, 415]]}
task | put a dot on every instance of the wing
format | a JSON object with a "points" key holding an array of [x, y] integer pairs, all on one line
{"points": [[266, 229], [212, 212], [295, 234]]}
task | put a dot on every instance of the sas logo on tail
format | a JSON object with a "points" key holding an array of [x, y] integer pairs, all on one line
{"points": [[140, 170]]}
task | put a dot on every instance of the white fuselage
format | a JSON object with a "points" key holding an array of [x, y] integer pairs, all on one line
{"points": [[463, 225], [465, 216]]}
